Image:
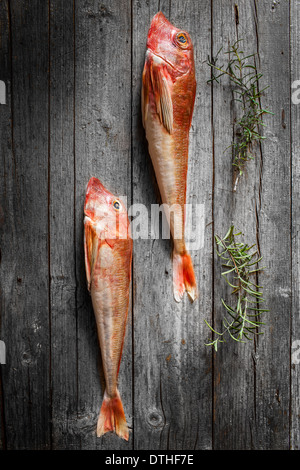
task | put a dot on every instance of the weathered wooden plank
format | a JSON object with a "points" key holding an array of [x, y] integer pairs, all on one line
{"points": [[273, 351], [6, 159], [2, 425], [91, 94], [102, 149], [24, 236], [295, 168], [172, 365], [234, 364], [62, 237], [267, 420]]}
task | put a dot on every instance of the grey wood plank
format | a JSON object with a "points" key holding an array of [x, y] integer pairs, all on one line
{"points": [[182, 395], [258, 417], [234, 364], [5, 154], [2, 425], [103, 150], [24, 234], [273, 350], [172, 366], [62, 237], [295, 120]]}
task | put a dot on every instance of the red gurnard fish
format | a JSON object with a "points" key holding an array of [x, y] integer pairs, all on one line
{"points": [[168, 97], [108, 255]]}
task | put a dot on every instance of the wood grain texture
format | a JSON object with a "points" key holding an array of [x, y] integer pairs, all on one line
{"points": [[273, 351], [103, 150], [6, 169], [24, 263], [235, 382], [172, 368], [73, 70], [295, 168], [62, 227]]}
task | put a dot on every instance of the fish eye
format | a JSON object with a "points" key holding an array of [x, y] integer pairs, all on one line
{"points": [[182, 39], [117, 205]]}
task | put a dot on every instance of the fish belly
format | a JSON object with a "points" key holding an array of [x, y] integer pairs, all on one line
{"points": [[110, 303], [163, 156]]}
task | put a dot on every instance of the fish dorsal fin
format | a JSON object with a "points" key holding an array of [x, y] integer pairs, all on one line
{"points": [[163, 99], [91, 250]]}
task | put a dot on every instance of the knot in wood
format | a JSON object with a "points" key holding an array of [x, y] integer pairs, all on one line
{"points": [[155, 419]]}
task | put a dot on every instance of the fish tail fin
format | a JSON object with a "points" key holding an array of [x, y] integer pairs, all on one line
{"points": [[183, 277], [112, 417]]}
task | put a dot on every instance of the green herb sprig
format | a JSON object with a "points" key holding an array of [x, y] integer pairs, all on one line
{"points": [[242, 72], [240, 264]]}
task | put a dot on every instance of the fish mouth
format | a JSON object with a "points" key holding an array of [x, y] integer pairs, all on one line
{"points": [[161, 58]]}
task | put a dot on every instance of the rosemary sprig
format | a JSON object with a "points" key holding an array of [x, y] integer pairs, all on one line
{"points": [[241, 264], [242, 72]]}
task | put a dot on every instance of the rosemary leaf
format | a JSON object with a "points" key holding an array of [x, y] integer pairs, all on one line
{"points": [[241, 321], [244, 77]]}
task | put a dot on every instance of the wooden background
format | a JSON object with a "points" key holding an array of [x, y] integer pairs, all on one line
{"points": [[72, 69]]}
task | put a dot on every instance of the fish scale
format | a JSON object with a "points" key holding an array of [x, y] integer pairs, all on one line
{"points": [[168, 96], [108, 257]]}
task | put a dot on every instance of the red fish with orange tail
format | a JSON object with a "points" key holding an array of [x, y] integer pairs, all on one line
{"points": [[108, 255], [168, 97]]}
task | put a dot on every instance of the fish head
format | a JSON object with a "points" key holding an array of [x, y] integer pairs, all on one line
{"points": [[172, 45], [107, 212]]}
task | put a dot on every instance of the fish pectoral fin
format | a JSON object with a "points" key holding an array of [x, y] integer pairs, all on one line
{"points": [[91, 250], [166, 106], [163, 99]]}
